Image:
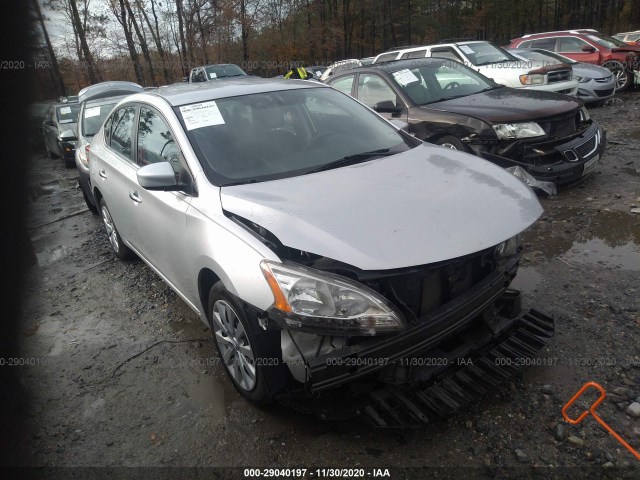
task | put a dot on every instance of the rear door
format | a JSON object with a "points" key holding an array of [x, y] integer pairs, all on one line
{"points": [[116, 171]]}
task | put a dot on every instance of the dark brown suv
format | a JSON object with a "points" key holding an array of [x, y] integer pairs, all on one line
{"points": [[589, 46]]}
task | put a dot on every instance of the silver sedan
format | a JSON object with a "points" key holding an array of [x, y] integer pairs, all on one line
{"points": [[323, 246]]}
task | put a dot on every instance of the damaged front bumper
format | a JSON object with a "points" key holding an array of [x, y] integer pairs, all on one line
{"points": [[563, 162], [398, 380]]}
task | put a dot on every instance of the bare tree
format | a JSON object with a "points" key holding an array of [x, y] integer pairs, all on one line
{"points": [[55, 70]]}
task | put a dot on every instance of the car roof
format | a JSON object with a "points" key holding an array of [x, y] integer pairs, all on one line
{"points": [[395, 65], [187, 93], [579, 31]]}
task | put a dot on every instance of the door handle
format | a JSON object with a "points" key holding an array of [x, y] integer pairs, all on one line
{"points": [[135, 197], [102, 174]]}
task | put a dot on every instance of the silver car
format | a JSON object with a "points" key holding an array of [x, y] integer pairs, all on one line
{"points": [[333, 256], [595, 83]]}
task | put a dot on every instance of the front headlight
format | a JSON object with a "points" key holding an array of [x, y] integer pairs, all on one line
{"points": [[582, 79], [508, 248], [518, 130], [534, 79], [323, 303]]}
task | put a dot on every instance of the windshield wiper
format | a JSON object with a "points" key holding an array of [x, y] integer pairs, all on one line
{"points": [[351, 160]]}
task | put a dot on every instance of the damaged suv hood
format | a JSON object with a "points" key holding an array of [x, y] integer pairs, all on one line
{"points": [[422, 206]]}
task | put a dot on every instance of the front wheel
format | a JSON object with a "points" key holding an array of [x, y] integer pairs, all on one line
{"points": [[451, 142], [623, 78], [120, 249], [238, 348]]}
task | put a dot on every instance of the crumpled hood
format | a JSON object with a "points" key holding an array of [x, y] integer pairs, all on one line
{"points": [[505, 104], [422, 206]]}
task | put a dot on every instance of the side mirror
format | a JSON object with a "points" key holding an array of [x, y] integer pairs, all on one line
{"points": [[68, 136], [588, 48], [158, 176], [386, 106]]}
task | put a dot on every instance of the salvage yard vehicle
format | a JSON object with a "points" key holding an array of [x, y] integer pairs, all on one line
{"points": [[367, 276], [595, 83], [96, 102], [495, 63], [444, 102], [58, 130], [589, 46], [214, 72]]}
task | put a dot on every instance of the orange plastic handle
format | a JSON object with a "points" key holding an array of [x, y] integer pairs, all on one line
{"points": [[592, 411]]}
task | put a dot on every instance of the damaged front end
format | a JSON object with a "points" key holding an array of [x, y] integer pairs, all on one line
{"points": [[397, 347], [568, 149]]}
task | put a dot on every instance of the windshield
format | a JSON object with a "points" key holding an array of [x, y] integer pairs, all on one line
{"points": [[544, 57], [608, 42], [283, 134], [68, 113], [485, 53], [93, 117], [437, 81], [221, 71]]}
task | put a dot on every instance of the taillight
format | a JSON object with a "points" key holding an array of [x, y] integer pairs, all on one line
{"points": [[86, 152]]}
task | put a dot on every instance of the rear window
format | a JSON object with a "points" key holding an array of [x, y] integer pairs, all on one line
{"points": [[93, 117], [68, 113]]}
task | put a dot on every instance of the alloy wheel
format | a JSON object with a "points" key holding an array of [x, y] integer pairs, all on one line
{"points": [[233, 342], [111, 229]]}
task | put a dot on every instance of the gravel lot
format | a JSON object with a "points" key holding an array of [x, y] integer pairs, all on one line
{"points": [[124, 374]]}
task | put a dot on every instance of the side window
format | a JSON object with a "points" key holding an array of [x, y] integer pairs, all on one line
{"points": [[544, 43], [526, 44], [373, 89], [448, 53], [387, 57], [122, 131], [200, 76], [155, 141], [415, 54], [344, 84], [572, 44]]}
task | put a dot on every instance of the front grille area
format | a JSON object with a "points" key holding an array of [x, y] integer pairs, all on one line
{"points": [[420, 290], [604, 93], [561, 127], [605, 79], [559, 76], [587, 147]]}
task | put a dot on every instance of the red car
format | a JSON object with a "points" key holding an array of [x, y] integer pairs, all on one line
{"points": [[591, 47]]}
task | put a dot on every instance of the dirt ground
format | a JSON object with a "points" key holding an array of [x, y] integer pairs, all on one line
{"points": [[122, 373]]}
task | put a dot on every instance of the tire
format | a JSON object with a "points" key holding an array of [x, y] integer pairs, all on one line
{"points": [[451, 142], [623, 77], [237, 346], [119, 248], [92, 208]]}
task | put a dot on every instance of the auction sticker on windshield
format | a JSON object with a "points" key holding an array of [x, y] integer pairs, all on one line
{"points": [[199, 115], [92, 112], [405, 77]]}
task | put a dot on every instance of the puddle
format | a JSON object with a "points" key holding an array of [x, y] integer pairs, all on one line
{"points": [[610, 239], [47, 188], [53, 254], [210, 394], [527, 280]]}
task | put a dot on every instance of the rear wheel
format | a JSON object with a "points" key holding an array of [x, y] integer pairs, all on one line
{"points": [[451, 142], [237, 346], [120, 249], [623, 78]]}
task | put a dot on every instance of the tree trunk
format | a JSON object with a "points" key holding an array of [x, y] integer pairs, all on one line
{"points": [[122, 18], [244, 30], [55, 69], [155, 35], [183, 44], [143, 42], [94, 75]]}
